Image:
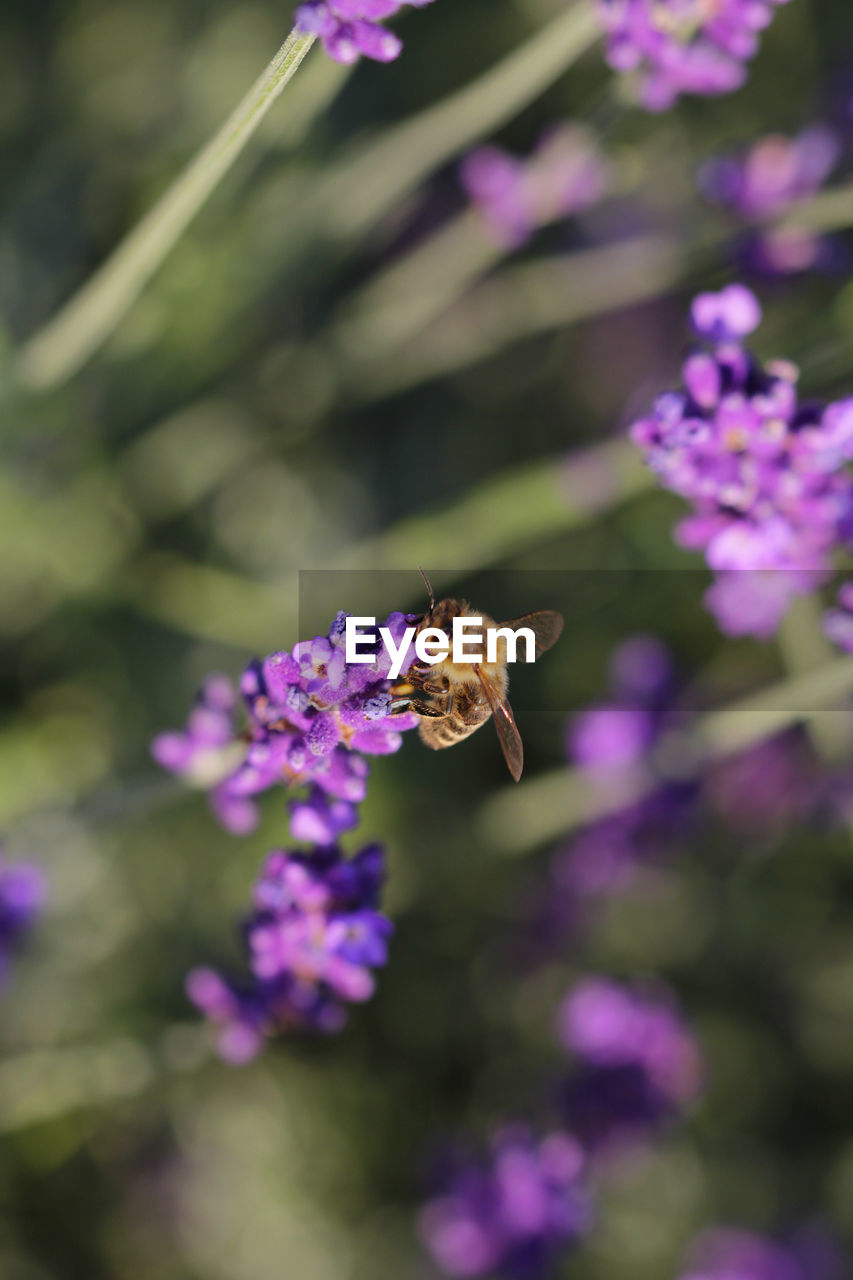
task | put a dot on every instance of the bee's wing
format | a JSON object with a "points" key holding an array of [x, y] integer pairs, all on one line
{"points": [[507, 729], [546, 625]]}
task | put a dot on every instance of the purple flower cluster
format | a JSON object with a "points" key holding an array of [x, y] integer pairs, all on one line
{"points": [[314, 932], [513, 1215], [351, 29], [22, 894], [635, 1066], [314, 936], [638, 1064], [774, 173], [565, 174], [605, 856], [731, 1254], [683, 46], [614, 735], [765, 472], [312, 718], [767, 181]]}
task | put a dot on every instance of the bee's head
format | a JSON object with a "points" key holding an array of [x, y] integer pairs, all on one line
{"points": [[442, 613]]}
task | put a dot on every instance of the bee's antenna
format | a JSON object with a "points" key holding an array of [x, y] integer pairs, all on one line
{"points": [[429, 589]]}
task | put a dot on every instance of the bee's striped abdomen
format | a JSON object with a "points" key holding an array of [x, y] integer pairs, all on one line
{"points": [[448, 730]]}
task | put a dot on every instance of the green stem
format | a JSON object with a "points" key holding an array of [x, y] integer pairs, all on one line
{"points": [[46, 1084], [68, 340], [424, 295], [502, 516], [827, 211], [510, 511], [548, 807], [404, 298], [525, 299], [803, 648]]}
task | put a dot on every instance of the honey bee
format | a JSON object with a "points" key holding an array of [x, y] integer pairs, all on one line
{"points": [[454, 699]]}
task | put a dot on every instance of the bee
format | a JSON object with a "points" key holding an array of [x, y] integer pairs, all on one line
{"points": [[454, 699]]}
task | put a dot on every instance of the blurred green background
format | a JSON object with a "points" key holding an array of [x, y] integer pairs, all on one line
{"points": [[155, 512]]}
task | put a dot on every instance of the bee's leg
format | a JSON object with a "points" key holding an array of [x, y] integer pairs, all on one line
{"points": [[421, 678], [427, 712], [417, 676], [442, 696], [400, 706], [421, 692]]}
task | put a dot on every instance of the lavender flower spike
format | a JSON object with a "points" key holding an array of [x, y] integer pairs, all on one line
{"points": [[565, 174], [22, 894], [765, 182], [614, 736], [351, 29], [638, 1063], [201, 751], [765, 473], [312, 719], [730, 1254], [838, 622], [313, 938], [614, 742], [515, 1214], [683, 46]]}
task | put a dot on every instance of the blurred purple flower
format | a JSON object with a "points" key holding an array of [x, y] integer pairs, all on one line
{"points": [[312, 939], [351, 29], [766, 473], [641, 669], [566, 173], [312, 718], [683, 46], [731, 1254], [638, 1064], [619, 733], [764, 183], [773, 174], [606, 856], [318, 819], [516, 1214], [732, 313], [22, 893], [200, 752], [614, 743], [838, 623], [611, 737], [752, 602], [763, 790]]}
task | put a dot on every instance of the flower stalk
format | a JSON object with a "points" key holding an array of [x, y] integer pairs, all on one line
{"points": [[803, 647], [502, 516], [79, 328]]}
